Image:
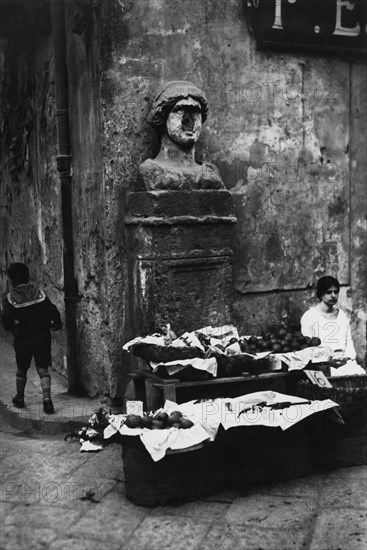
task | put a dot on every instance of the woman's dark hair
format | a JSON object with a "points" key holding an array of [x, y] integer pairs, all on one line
{"points": [[323, 285], [18, 273]]}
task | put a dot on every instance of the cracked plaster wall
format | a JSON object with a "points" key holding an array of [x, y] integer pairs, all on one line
{"points": [[284, 132], [287, 132], [30, 200]]}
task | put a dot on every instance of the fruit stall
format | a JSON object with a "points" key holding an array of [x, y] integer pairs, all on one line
{"points": [[212, 362], [231, 410]]}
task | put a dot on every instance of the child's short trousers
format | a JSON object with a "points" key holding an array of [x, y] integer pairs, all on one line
{"points": [[37, 345]]}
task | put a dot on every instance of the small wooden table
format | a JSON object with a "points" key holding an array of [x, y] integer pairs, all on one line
{"points": [[179, 391]]}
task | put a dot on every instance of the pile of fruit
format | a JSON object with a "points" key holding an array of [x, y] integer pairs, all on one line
{"points": [[159, 421], [277, 341]]}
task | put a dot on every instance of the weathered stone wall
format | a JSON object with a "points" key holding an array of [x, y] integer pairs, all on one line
{"points": [[29, 191], [91, 219], [287, 132], [282, 130]]}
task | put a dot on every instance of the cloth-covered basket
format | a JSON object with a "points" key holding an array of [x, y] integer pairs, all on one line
{"points": [[180, 476], [259, 454]]}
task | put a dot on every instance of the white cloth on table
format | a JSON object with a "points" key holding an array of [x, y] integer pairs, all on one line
{"points": [[351, 367], [209, 365]]}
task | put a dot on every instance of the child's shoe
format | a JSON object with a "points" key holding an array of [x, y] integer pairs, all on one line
{"points": [[48, 406], [18, 401]]}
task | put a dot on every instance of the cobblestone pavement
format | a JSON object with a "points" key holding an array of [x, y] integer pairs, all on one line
{"points": [[71, 411], [54, 497]]}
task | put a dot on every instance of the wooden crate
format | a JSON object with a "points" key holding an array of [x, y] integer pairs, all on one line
{"points": [[153, 391]]}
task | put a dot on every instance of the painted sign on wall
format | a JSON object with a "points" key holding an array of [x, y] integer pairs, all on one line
{"points": [[319, 25]]}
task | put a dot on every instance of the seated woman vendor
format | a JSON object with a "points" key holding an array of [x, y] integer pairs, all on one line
{"points": [[331, 325]]}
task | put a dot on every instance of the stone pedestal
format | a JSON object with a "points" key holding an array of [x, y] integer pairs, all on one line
{"points": [[179, 259]]}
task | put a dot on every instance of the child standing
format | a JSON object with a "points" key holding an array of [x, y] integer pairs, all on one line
{"points": [[30, 315]]}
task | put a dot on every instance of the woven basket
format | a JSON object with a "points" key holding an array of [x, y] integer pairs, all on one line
{"points": [[178, 477], [334, 445], [259, 454], [350, 392], [346, 391]]}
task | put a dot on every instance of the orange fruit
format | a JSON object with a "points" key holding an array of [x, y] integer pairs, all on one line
{"points": [[314, 341], [186, 423], [175, 416], [133, 421], [146, 422], [162, 416], [157, 424]]}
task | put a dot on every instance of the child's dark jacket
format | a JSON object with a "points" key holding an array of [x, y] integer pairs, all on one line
{"points": [[27, 310]]}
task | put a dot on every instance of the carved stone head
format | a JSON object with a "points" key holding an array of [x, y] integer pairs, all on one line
{"points": [[179, 108], [177, 113]]}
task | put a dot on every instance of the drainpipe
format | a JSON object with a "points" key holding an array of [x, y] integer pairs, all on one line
{"points": [[63, 161]]}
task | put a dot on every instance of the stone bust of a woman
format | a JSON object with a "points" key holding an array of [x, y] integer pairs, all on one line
{"points": [[178, 110]]}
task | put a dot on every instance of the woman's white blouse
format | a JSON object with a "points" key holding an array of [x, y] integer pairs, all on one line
{"points": [[333, 333]]}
